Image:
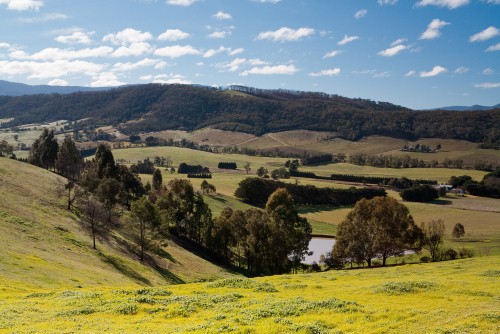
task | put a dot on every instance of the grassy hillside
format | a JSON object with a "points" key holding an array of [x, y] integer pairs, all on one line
{"points": [[459, 296], [44, 246]]}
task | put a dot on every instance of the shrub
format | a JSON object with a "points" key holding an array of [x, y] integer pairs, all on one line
{"points": [[421, 193], [425, 259], [449, 254], [465, 252]]}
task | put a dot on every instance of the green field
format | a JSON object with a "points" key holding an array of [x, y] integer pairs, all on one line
{"points": [[460, 296]]}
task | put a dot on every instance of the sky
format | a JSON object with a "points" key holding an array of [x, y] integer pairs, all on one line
{"points": [[416, 53]]}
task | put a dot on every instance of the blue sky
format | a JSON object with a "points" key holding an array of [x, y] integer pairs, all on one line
{"points": [[417, 53]]}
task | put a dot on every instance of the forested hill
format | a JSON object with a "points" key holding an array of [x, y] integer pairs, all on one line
{"points": [[157, 107]]}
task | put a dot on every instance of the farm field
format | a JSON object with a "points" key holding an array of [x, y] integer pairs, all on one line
{"points": [[460, 296]]}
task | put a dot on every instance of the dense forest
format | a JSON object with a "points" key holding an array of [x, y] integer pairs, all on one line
{"points": [[155, 107]]}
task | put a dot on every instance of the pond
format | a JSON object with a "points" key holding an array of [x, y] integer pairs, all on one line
{"points": [[320, 246]]}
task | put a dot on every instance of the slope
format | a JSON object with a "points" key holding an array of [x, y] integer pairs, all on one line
{"points": [[44, 246]]}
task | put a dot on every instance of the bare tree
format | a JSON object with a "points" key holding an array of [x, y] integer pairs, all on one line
{"points": [[433, 237], [93, 217]]}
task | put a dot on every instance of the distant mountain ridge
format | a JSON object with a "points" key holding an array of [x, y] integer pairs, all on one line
{"points": [[8, 88], [465, 108], [157, 107]]}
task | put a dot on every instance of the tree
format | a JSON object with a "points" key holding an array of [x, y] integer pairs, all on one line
{"points": [[93, 217], [261, 172], [145, 221], [433, 237], [247, 167], [458, 231], [419, 193], [5, 148], [380, 227], [44, 150], [69, 162], [105, 162], [108, 193], [157, 179], [291, 233]]}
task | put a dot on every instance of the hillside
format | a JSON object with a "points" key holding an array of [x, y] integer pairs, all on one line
{"points": [[45, 247], [18, 89], [152, 108]]}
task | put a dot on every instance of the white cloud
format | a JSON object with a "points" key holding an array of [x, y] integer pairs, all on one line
{"points": [[220, 15], [134, 49], [234, 65], [360, 13], [230, 52], [184, 3], [147, 62], [488, 85], [22, 5], [393, 51], [461, 70], [385, 74], [236, 51], [271, 70], [331, 54], [495, 47], [46, 70], [433, 29], [285, 34], [127, 36], [43, 18], [364, 72], [436, 70], [58, 82], [451, 4], [220, 34], [410, 73], [330, 72], [484, 35], [176, 51], [399, 41], [173, 35], [488, 71], [171, 79], [347, 39], [78, 37], [50, 54], [387, 2], [106, 79]]}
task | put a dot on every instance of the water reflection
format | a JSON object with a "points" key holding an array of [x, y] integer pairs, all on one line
{"points": [[320, 246]]}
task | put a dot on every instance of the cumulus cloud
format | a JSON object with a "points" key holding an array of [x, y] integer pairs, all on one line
{"points": [[461, 70], [347, 39], [271, 70], [488, 71], [22, 5], [360, 13], [387, 2], [219, 34], [50, 54], [78, 37], [147, 62], [173, 35], [285, 34], [176, 51], [410, 73], [183, 3], [330, 72], [46, 70], [436, 70], [433, 29], [220, 15], [331, 54], [495, 47], [488, 85], [399, 41], [485, 35], [171, 79], [393, 51], [451, 4], [134, 49], [106, 79], [58, 82], [127, 36]]}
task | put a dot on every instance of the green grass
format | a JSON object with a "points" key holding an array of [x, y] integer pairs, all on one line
{"points": [[460, 296], [44, 246]]}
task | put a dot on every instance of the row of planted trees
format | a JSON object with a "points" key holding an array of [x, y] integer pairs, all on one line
{"points": [[106, 196]]}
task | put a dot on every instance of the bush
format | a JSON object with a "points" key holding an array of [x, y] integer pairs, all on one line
{"points": [[465, 253], [421, 193], [449, 254], [425, 259]]}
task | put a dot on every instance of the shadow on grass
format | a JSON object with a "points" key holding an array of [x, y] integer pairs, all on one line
{"points": [[218, 199], [319, 208], [441, 202], [165, 273], [123, 268]]}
